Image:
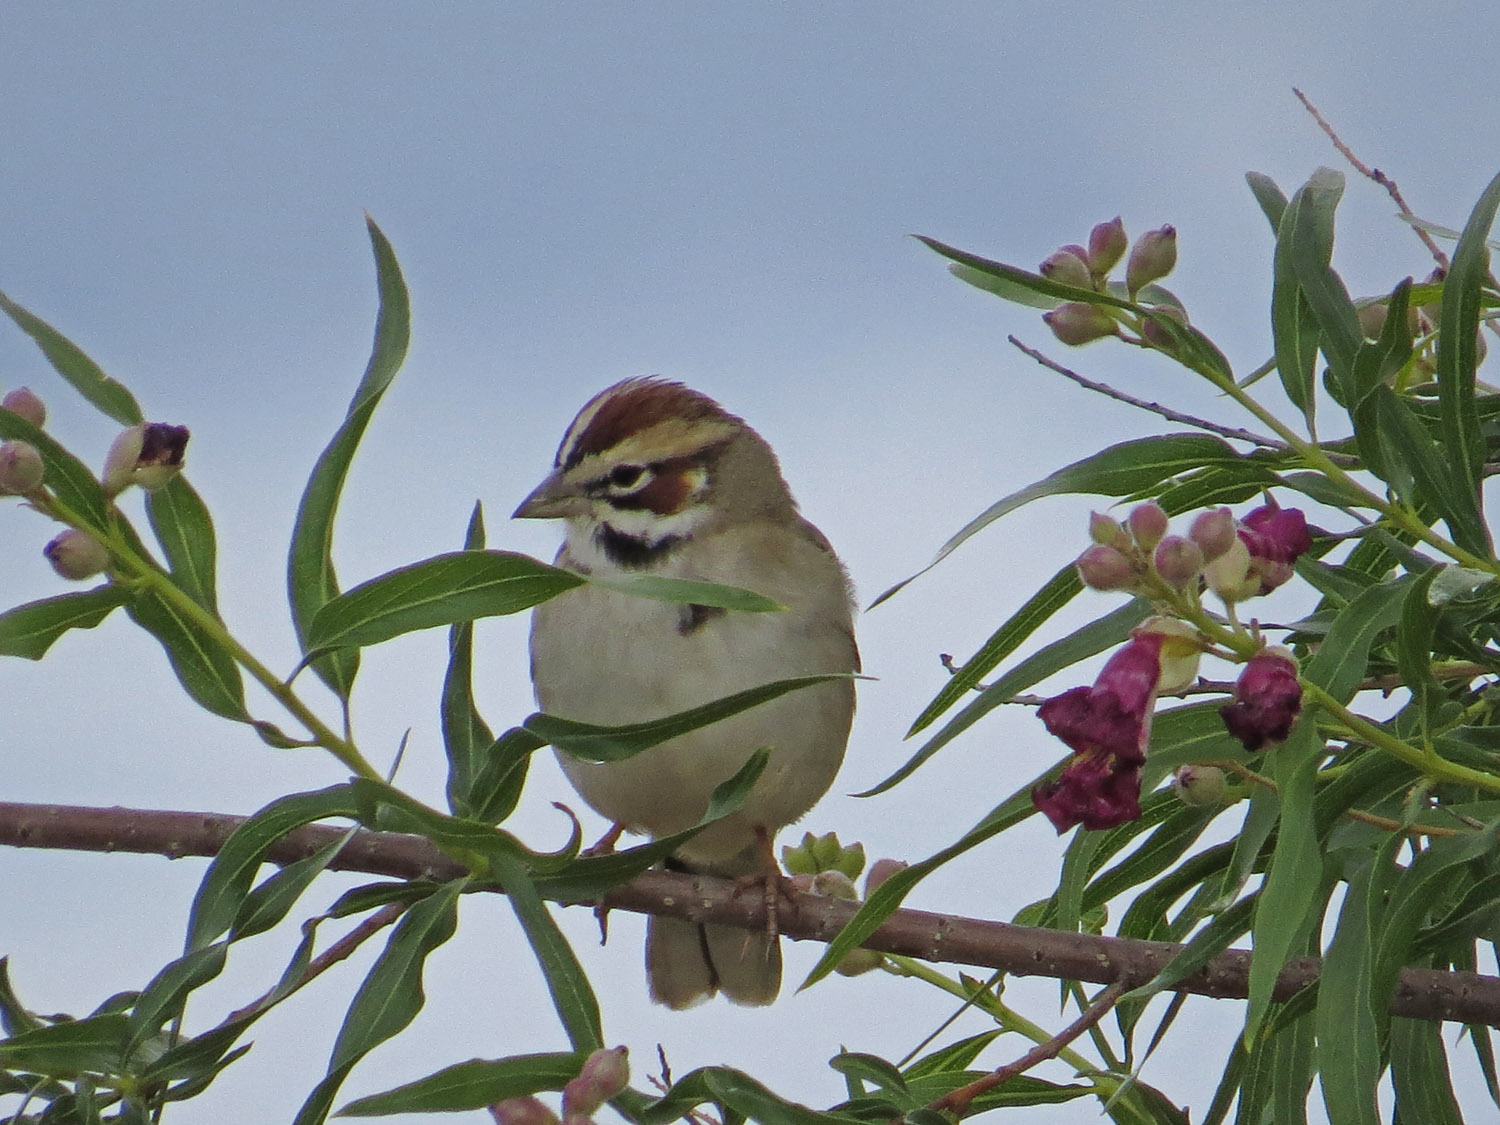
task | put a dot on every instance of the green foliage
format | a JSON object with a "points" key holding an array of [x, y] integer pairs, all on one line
{"points": [[1364, 801]]}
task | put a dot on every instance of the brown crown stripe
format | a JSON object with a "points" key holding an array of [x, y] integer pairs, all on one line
{"points": [[636, 405]]}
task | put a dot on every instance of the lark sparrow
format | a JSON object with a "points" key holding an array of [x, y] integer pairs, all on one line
{"points": [[654, 478]]}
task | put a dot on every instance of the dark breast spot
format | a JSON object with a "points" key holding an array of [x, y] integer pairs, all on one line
{"points": [[691, 618]]}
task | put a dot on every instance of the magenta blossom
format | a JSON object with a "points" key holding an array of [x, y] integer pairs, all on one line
{"points": [[1267, 699], [1107, 727], [1276, 537]]}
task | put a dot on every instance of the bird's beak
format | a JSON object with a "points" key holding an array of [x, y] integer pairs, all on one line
{"points": [[553, 499]]}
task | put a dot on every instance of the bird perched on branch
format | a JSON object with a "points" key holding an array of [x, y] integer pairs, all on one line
{"points": [[654, 478]]}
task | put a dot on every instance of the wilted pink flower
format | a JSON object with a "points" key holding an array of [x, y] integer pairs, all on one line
{"points": [[1107, 727], [1267, 699], [1276, 537]]}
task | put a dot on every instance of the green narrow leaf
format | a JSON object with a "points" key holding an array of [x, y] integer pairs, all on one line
{"points": [[226, 884], [70, 479], [392, 995], [1428, 468], [72, 1047], [595, 743], [185, 531], [466, 736], [475, 1084], [30, 630], [1271, 199], [1376, 363], [14, 1018], [1342, 658], [85, 376], [502, 775], [310, 575], [1307, 228], [574, 1000], [1458, 355], [1420, 1074], [204, 667], [1057, 592], [162, 1001], [270, 902], [1118, 470], [1093, 638], [1294, 328], [1349, 1030], [1414, 633], [1289, 893], [443, 590], [682, 591]]}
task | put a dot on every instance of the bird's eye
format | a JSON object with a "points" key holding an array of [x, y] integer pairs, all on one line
{"points": [[623, 476]]}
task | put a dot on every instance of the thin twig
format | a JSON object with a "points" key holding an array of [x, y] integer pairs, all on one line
{"points": [[958, 1101], [1376, 175], [1233, 433]]}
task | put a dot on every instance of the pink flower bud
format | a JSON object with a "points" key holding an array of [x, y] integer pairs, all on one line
{"points": [[1107, 244], [1105, 568], [1267, 699], [1148, 523], [24, 403], [1178, 560], [1214, 531], [881, 870], [1075, 323], [522, 1111], [605, 1073], [148, 454], [1153, 256], [1068, 268], [1107, 531], [76, 555], [21, 468], [1200, 786], [1155, 333]]}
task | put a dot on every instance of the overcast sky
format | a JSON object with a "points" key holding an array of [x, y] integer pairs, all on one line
{"points": [[717, 193]]}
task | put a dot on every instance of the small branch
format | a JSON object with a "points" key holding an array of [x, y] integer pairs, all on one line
{"points": [[1420, 993], [1233, 433], [1374, 174], [958, 1101]]}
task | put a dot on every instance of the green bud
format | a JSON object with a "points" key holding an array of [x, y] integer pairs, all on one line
{"points": [[1200, 786]]}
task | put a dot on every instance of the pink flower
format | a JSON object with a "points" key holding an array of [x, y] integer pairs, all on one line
{"points": [[1107, 727], [1267, 699], [1276, 537]]}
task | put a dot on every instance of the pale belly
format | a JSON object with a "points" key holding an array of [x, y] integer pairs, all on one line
{"points": [[625, 660]]}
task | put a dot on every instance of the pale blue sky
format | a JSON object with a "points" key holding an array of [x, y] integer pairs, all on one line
{"points": [[718, 193]]}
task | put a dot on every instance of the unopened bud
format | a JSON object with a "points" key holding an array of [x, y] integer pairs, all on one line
{"points": [[834, 884], [1157, 334], [21, 468], [23, 402], [858, 961], [1076, 323], [1148, 523], [605, 1073], [1107, 531], [76, 555], [1068, 268], [1199, 786], [1372, 319], [1214, 531], [1105, 568], [1178, 560], [1153, 256], [881, 870], [522, 1111], [148, 454], [1107, 244]]}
